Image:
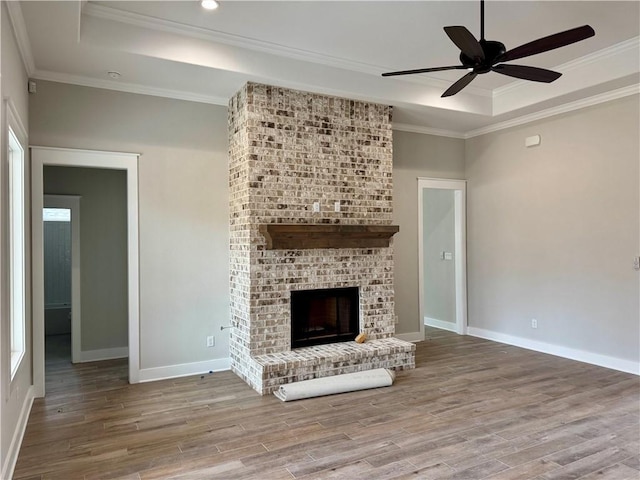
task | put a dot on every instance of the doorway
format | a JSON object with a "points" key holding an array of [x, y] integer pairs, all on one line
{"points": [[128, 163], [442, 254], [62, 300]]}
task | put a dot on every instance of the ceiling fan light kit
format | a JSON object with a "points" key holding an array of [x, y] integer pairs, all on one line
{"points": [[484, 56]]}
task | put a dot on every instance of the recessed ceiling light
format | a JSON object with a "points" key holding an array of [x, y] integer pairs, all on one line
{"points": [[114, 75], [209, 4]]}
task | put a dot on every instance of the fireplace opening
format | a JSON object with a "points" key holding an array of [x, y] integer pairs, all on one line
{"points": [[324, 316]]}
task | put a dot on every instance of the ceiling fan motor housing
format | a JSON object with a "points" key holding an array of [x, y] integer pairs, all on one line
{"points": [[492, 52]]}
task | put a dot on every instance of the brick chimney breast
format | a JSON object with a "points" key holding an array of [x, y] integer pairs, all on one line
{"points": [[288, 150]]}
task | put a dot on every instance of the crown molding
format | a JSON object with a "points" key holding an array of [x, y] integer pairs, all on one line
{"points": [[550, 112], [127, 87], [541, 115], [438, 132], [402, 127], [22, 38], [625, 49], [215, 36], [168, 26]]}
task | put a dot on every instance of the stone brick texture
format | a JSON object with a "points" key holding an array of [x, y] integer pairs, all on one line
{"points": [[287, 150]]}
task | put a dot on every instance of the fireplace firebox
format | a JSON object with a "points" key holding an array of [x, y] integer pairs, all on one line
{"points": [[324, 316]]}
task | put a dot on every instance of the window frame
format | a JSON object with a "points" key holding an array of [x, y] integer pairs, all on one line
{"points": [[16, 158]]}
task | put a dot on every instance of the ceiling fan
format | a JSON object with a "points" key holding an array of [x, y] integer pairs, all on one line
{"points": [[485, 56]]}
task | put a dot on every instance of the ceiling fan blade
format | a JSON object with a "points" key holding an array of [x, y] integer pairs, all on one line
{"points": [[465, 41], [460, 84], [527, 73], [423, 70], [548, 43]]}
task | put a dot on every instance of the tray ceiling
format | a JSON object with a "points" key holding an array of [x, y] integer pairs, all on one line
{"points": [[179, 50]]}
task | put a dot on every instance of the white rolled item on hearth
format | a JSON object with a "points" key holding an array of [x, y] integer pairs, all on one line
{"points": [[348, 382]]}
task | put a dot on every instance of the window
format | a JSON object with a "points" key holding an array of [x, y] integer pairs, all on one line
{"points": [[16, 249]]}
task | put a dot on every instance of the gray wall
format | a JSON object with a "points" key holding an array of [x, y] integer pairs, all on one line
{"points": [[184, 282], [549, 210], [552, 230], [416, 155], [183, 206], [439, 236], [103, 250], [57, 263], [57, 277], [13, 394]]}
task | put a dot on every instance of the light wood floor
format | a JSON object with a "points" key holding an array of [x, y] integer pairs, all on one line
{"points": [[472, 409]]}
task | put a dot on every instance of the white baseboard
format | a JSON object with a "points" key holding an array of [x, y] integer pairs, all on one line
{"points": [[104, 354], [410, 337], [18, 435], [184, 369], [558, 350], [441, 324]]}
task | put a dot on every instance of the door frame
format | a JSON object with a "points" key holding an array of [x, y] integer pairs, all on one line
{"points": [[459, 188], [72, 202], [65, 157]]}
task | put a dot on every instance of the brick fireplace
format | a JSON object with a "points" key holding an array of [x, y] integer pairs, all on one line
{"points": [[288, 150]]}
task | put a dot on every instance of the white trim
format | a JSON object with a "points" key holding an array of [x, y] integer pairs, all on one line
{"points": [[441, 324], [41, 156], [89, 152], [22, 37], [460, 260], [459, 188], [15, 131], [421, 307], [72, 202], [133, 268], [439, 132], [103, 354], [4, 382], [127, 87], [550, 112], [16, 160], [412, 337], [184, 370], [15, 122], [18, 435], [215, 36], [606, 361]]}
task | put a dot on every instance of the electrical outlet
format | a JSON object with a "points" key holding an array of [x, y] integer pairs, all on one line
{"points": [[336, 206], [211, 341], [534, 323], [316, 207]]}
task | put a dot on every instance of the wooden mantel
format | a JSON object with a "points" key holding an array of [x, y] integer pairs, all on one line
{"points": [[305, 236]]}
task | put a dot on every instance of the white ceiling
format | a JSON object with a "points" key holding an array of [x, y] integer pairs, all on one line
{"points": [[179, 50]]}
